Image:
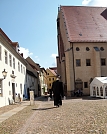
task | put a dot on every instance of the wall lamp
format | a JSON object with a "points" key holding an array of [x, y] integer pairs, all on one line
{"points": [[4, 73]]}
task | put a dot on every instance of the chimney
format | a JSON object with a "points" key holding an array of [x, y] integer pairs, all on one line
{"points": [[21, 54]]}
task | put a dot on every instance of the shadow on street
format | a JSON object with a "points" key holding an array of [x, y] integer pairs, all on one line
{"points": [[45, 98], [45, 108]]}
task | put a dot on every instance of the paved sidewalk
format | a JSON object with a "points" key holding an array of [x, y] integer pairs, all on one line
{"points": [[8, 114], [18, 108]]}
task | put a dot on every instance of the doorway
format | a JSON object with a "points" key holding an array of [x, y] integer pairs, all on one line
{"points": [[13, 91], [79, 84]]}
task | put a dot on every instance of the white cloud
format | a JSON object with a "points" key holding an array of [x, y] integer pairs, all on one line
{"points": [[25, 52], [85, 2], [37, 58], [101, 3], [54, 56]]}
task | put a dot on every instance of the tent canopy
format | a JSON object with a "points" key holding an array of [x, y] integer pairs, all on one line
{"points": [[99, 81], [98, 87]]}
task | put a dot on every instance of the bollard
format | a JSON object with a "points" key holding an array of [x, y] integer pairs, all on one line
{"points": [[31, 97]]}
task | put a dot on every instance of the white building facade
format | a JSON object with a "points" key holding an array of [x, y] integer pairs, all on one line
{"points": [[14, 64]]}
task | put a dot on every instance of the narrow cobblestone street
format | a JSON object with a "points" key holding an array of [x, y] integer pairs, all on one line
{"points": [[76, 116]]}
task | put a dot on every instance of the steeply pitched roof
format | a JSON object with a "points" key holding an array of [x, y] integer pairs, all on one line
{"points": [[53, 72], [31, 73], [33, 64], [11, 44], [14, 44], [84, 24]]}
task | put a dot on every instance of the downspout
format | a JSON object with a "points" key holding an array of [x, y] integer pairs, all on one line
{"points": [[73, 66]]}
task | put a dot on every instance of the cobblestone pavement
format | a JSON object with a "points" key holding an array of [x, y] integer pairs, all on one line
{"points": [[75, 116]]}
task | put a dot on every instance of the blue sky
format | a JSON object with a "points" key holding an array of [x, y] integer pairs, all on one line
{"points": [[32, 23]]}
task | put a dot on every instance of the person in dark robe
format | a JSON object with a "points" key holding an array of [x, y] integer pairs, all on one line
{"points": [[57, 89]]}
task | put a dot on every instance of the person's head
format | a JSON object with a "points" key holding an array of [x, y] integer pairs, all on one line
{"points": [[58, 77]]}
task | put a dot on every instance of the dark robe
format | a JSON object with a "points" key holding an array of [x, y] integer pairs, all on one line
{"points": [[57, 89]]}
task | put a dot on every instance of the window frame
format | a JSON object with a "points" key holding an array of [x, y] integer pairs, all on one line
{"points": [[104, 62], [78, 62], [77, 49], [24, 70], [85, 84], [18, 66], [10, 60], [20, 88], [21, 69], [6, 57], [88, 62], [13, 62]]}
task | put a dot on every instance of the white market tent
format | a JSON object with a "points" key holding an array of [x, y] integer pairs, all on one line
{"points": [[98, 87]]}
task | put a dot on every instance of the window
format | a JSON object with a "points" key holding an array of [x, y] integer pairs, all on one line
{"points": [[87, 48], [14, 63], [6, 58], [50, 84], [48, 73], [101, 48], [12, 72], [21, 68], [88, 62], [21, 88], [18, 66], [53, 78], [49, 79], [32, 83], [103, 62], [10, 60], [96, 49], [1, 94], [77, 49], [78, 62], [85, 84], [0, 53]]}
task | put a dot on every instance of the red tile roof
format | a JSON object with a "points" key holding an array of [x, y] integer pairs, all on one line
{"points": [[84, 24], [53, 72]]}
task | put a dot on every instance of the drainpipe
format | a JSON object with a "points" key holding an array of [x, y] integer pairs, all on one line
{"points": [[73, 65]]}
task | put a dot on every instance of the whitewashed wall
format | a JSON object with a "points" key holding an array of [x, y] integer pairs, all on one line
{"points": [[7, 83]]}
